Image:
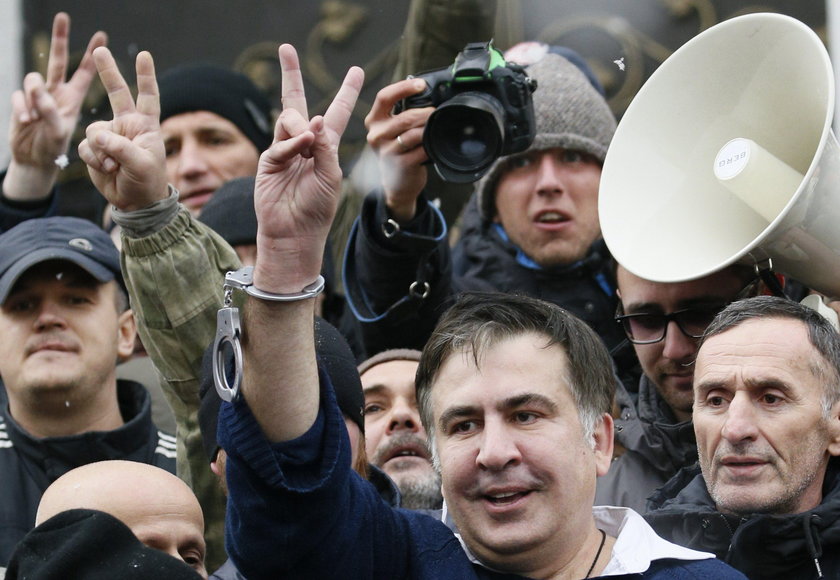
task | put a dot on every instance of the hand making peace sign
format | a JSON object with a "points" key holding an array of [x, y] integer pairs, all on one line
{"points": [[125, 156], [298, 182]]}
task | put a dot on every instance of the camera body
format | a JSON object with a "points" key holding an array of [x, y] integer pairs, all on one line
{"points": [[483, 110]]}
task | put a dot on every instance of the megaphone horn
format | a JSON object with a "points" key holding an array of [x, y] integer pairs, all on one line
{"points": [[726, 155]]}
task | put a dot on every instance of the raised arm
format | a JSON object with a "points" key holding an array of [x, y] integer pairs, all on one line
{"points": [[172, 264], [297, 188], [44, 116]]}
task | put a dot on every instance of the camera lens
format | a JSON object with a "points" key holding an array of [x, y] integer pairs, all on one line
{"points": [[465, 135]]}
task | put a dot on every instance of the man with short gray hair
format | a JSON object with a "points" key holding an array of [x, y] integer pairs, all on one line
{"points": [[766, 494]]}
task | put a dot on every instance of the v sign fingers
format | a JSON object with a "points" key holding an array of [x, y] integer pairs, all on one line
{"points": [[59, 58], [46, 113], [133, 141], [298, 182]]}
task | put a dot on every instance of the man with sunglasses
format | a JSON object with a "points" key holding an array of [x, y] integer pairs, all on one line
{"points": [[664, 322]]}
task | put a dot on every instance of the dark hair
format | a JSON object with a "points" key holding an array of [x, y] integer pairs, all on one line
{"points": [[477, 321], [821, 334], [121, 299]]}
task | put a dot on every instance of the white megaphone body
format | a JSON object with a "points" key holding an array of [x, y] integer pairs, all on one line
{"points": [[726, 155]]}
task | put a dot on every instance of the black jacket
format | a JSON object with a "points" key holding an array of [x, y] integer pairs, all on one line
{"points": [[28, 465], [385, 277], [657, 447], [14, 212], [763, 547]]}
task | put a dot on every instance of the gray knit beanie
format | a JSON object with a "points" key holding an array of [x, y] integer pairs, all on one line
{"points": [[388, 356], [570, 114]]}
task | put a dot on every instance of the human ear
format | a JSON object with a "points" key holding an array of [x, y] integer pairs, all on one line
{"points": [[604, 440], [126, 335], [834, 430]]}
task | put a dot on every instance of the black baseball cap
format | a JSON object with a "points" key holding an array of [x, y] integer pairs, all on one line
{"points": [[72, 239]]}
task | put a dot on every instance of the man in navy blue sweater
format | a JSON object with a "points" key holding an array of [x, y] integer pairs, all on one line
{"points": [[514, 392]]}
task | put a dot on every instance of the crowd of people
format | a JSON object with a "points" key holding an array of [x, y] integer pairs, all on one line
{"points": [[512, 403]]}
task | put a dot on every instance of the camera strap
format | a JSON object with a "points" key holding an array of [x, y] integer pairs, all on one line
{"points": [[417, 291]]}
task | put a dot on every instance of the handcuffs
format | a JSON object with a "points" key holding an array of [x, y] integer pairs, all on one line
{"points": [[229, 326]]}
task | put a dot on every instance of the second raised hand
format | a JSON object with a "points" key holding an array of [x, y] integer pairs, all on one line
{"points": [[126, 156], [298, 181]]}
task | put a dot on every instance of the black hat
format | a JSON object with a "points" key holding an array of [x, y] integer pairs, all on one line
{"points": [[57, 238], [88, 545], [229, 94], [340, 364], [230, 212], [336, 359]]}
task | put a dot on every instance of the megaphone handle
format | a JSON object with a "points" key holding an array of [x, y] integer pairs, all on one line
{"points": [[770, 280]]}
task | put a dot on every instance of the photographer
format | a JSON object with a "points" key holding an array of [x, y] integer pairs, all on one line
{"points": [[534, 230]]}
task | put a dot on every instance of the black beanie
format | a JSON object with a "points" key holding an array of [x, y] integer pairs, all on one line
{"points": [[230, 212], [340, 364], [89, 545], [205, 87], [336, 359]]}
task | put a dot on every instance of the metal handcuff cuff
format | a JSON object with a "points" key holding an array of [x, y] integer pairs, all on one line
{"points": [[229, 326]]}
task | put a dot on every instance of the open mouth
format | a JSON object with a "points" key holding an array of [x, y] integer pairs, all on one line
{"points": [[403, 451], [506, 498], [551, 217]]}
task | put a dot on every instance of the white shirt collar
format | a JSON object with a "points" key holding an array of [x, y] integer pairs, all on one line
{"points": [[636, 547]]}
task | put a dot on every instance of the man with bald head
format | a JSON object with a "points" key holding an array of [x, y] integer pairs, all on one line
{"points": [[159, 508]]}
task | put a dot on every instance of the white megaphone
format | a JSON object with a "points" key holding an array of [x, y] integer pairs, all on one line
{"points": [[726, 155]]}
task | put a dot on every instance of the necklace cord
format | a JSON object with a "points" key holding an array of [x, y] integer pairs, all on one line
{"points": [[598, 554]]}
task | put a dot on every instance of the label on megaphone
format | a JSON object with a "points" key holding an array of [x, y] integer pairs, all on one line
{"points": [[757, 177]]}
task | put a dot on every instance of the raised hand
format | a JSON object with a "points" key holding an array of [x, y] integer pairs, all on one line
{"points": [[126, 157], [45, 113], [398, 142], [298, 181]]}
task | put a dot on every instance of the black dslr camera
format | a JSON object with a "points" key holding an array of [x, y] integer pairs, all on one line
{"points": [[483, 110]]}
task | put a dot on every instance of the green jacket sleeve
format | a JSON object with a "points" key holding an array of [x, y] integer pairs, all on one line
{"points": [[174, 279]]}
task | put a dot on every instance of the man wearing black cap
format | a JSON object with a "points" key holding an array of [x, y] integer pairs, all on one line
{"points": [[215, 124], [66, 324]]}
